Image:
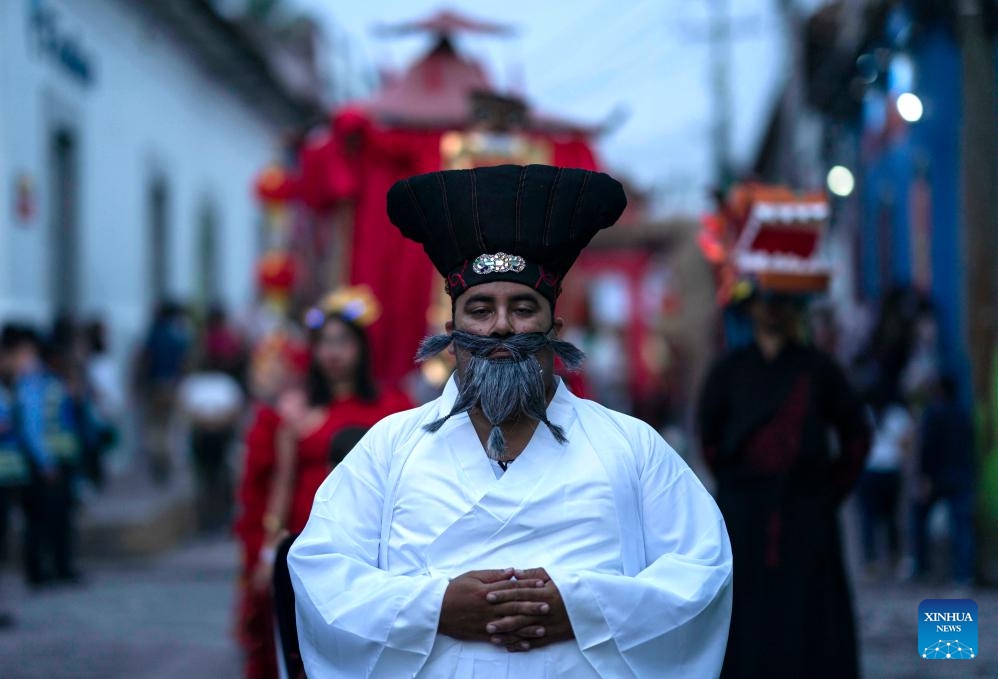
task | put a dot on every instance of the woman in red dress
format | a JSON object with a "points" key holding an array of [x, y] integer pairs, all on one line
{"points": [[340, 394], [255, 623], [289, 451], [279, 362]]}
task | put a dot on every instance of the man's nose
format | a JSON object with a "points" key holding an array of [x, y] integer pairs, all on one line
{"points": [[502, 326]]}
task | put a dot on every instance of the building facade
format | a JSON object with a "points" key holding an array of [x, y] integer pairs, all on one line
{"points": [[129, 137]]}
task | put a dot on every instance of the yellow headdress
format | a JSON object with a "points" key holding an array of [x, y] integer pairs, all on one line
{"points": [[356, 304]]}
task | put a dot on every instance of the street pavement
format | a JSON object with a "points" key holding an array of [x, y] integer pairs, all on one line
{"points": [[887, 613], [168, 617], [171, 617]]}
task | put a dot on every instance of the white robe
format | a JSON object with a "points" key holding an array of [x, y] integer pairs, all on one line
{"points": [[634, 543]]}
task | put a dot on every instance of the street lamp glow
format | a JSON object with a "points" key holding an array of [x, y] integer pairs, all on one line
{"points": [[910, 107], [840, 181]]}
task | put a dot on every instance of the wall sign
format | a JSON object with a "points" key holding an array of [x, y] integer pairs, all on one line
{"points": [[57, 45], [24, 199]]}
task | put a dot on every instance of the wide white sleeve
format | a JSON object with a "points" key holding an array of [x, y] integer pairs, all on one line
{"points": [[671, 619], [354, 619]]}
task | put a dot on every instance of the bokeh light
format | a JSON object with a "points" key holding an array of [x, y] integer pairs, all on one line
{"points": [[841, 181], [910, 107]]}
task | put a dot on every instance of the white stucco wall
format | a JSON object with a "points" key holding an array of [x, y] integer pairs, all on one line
{"points": [[149, 108]]}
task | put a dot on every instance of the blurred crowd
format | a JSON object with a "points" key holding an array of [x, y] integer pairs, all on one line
{"points": [[922, 454], [59, 409], [67, 410]]}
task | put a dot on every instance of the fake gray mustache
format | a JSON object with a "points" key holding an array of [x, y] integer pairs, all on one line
{"points": [[520, 346]]}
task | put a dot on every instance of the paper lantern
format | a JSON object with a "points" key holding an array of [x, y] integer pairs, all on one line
{"points": [[275, 185], [277, 273]]}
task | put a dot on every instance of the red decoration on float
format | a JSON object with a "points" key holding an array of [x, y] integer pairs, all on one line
{"points": [[768, 238], [277, 273]]}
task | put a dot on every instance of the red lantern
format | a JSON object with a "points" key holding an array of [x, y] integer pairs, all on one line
{"points": [[276, 273], [275, 185]]}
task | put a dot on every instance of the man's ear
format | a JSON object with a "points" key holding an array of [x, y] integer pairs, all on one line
{"points": [[558, 325]]}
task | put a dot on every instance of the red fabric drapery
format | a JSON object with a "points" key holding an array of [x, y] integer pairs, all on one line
{"points": [[397, 270], [357, 163]]}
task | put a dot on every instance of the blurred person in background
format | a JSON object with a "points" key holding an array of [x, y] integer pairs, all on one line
{"points": [[162, 363], [102, 372], [279, 364], [222, 345], [882, 363], [67, 355], [921, 373], [765, 414], [880, 485], [339, 393], [47, 430], [107, 400], [71, 434], [14, 470], [946, 473], [211, 402]]}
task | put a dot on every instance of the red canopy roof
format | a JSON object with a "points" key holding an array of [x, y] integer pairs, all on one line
{"points": [[436, 91], [446, 23]]}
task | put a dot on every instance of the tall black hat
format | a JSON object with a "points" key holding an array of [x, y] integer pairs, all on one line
{"points": [[525, 224]]}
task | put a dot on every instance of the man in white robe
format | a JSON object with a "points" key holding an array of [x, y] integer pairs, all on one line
{"points": [[457, 542]]}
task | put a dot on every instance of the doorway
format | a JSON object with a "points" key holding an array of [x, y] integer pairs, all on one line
{"points": [[64, 230], [158, 208]]}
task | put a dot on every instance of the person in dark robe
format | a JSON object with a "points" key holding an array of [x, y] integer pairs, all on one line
{"points": [[786, 438]]}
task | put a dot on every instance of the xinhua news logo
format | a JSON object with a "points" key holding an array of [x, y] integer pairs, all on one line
{"points": [[947, 629]]}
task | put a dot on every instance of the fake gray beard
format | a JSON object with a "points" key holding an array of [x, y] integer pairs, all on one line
{"points": [[504, 388]]}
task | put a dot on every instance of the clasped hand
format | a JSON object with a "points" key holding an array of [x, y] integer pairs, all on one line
{"points": [[518, 609]]}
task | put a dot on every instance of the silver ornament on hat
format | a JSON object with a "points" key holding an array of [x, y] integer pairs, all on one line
{"points": [[499, 262]]}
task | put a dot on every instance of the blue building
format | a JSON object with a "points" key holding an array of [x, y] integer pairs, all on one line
{"points": [[910, 229], [928, 196]]}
